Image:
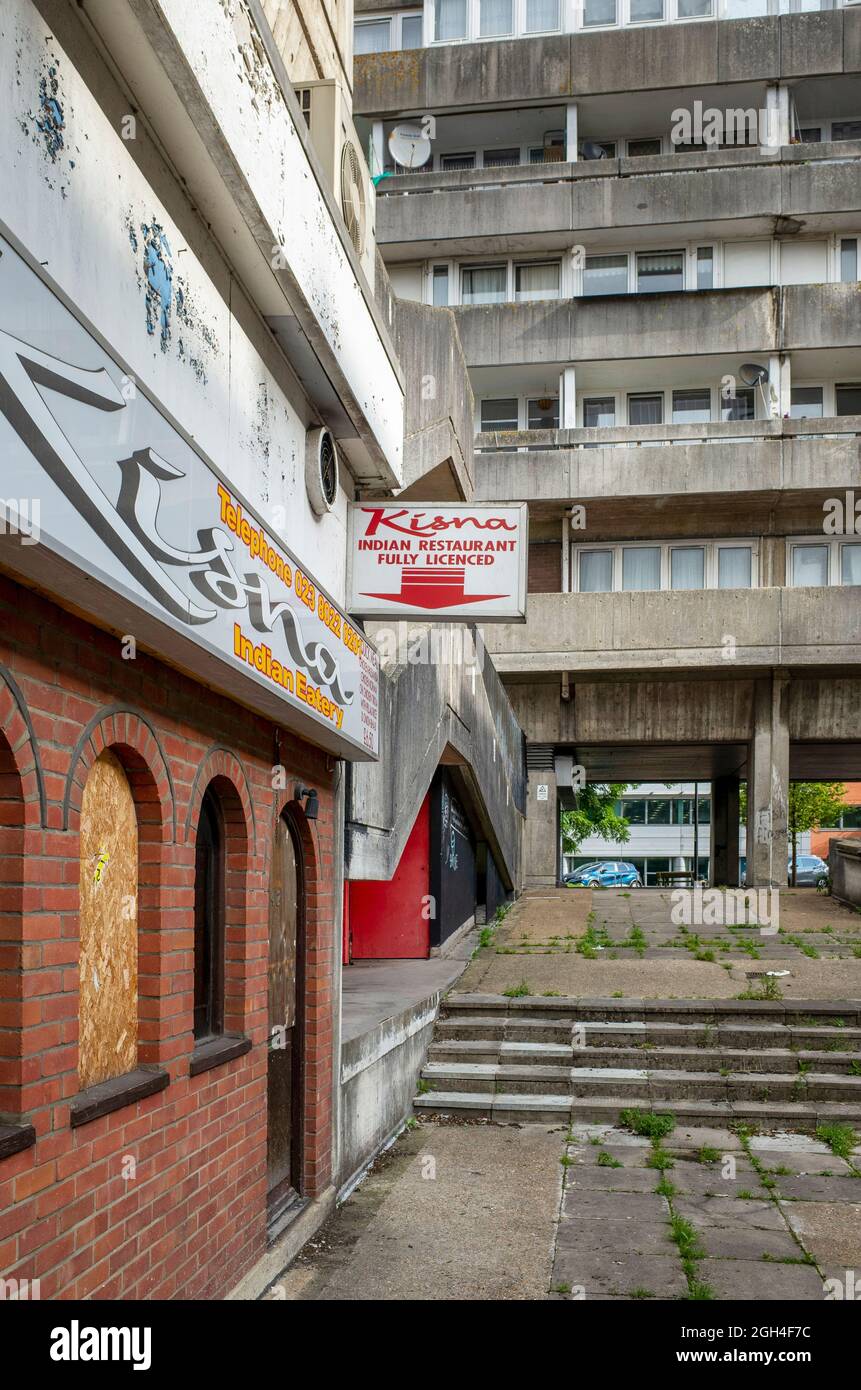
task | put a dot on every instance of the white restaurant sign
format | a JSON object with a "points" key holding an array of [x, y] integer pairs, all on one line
{"points": [[137, 530], [438, 560]]}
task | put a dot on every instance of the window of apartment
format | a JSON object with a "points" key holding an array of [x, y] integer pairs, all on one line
{"points": [[818, 563], [541, 16], [304, 95], [209, 895], [850, 563], [636, 149], [536, 280], [646, 408], [849, 260], [597, 149], [666, 565], [599, 412], [643, 11], [846, 130], [734, 566], [805, 403], [741, 406], [412, 30], [542, 413], [495, 17], [596, 571], [746, 263], [848, 399], [705, 268], [641, 567], [687, 567], [483, 284], [439, 286], [597, 12], [809, 564], [658, 271], [500, 414], [499, 159], [850, 818], [692, 407], [458, 161], [450, 18], [694, 9], [605, 275], [372, 36], [810, 135]]}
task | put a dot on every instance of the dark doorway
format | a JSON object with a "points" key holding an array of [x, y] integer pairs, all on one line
{"points": [[286, 939]]}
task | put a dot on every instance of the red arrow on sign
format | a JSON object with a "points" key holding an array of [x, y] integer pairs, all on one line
{"points": [[428, 587]]}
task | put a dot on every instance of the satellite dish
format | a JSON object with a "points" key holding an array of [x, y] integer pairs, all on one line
{"points": [[409, 146], [593, 151], [752, 374]]}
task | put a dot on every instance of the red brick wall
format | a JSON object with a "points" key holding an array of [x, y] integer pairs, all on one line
{"points": [[192, 1219], [544, 572]]}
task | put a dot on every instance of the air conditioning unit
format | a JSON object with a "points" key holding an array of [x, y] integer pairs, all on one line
{"points": [[337, 146]]}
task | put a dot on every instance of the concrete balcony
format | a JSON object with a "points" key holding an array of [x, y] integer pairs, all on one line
{"points": [[736, 191], [770, 49], [680, 631], [682, 324], [778, 461]]}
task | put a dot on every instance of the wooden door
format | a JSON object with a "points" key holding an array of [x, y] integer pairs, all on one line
{"points": [[286, 923]]}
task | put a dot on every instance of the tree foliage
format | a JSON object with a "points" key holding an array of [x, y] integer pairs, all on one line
{"points": [[595, 814], [811, 805]]}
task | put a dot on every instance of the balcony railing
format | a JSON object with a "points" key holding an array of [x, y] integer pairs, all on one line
{"points": [[654, 436]]}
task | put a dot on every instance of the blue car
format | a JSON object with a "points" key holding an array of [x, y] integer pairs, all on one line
{"points": [[604, 873]]}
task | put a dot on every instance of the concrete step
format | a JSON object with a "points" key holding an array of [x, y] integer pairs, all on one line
{"points": [[528, 1032], [511, 1108], [661, 1086], [649, 1056], [799, 1012]]}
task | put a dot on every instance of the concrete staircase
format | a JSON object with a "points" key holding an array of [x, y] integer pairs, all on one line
{"points": [[783, 1064]]}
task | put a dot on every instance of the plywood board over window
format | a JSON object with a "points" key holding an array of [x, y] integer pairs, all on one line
{"points": [[108, 925]]}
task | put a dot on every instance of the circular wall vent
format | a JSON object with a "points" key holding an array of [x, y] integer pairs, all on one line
{"points": [[321, 471], [353, 195]]}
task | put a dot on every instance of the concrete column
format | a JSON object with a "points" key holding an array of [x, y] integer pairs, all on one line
{"points": [[571, 132], [541, 831], [724, 832], [567, 399], [768, 784], [777, 390], [777, 106]]}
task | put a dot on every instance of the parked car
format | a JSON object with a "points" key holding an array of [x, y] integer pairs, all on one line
{"points": [[812, 871], [605, 873]]}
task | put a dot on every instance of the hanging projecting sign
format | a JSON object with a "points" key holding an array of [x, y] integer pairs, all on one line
{"points": [[438, 560], [134, 528]]}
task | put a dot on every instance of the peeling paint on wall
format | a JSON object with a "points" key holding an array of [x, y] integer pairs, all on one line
{"points": [[47, 122], [168, 298]]}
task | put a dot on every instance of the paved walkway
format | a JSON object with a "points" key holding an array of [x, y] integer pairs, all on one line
{"points": [[607, 942], [489, 1211]]}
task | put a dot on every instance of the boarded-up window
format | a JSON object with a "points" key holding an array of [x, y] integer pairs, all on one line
{"points": [[109, 886]]}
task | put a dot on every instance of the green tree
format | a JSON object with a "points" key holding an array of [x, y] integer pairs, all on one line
{"points": [[811, 805], [595, 814]]}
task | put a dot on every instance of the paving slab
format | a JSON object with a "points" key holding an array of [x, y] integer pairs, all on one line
{"points": [[740, 1242], [594, 1179], [759, 1281], [817, 1189], [831, 1231], [621, 1274], [609, 1237], [729, 1211]]}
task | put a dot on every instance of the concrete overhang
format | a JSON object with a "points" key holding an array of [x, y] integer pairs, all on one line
{"points": [[682, 324], [217, 96], [680, 632], [726, 193], [542, 69]]}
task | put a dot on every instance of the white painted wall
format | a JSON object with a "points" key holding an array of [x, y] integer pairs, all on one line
{"points": [[79, 214]]}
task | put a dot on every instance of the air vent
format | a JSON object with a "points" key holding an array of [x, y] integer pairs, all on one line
{"points": [[353, 195], [321, 471], [539, 757]]}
